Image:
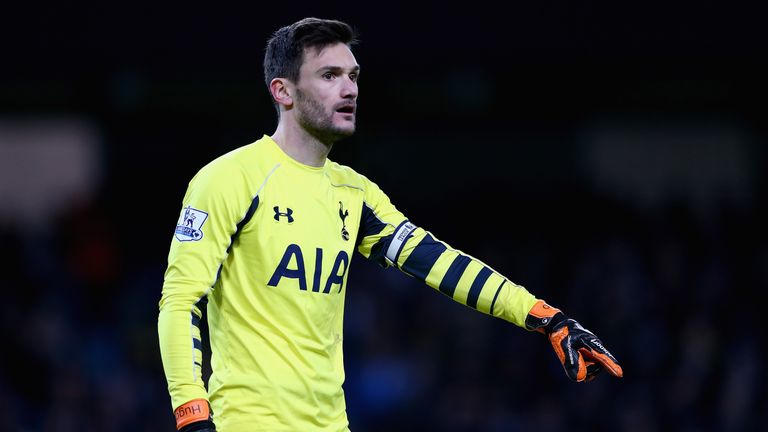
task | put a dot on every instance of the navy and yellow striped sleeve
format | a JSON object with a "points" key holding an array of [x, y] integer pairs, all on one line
{"points": [[213, 205], [388, 238]]}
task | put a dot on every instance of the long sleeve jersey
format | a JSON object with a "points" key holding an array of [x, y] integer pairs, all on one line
{"points": [[264, 243]]}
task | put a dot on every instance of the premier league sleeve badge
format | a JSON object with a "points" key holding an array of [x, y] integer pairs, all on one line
{"points": [[190, 224]]}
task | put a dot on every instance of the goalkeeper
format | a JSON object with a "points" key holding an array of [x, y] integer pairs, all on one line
{"points": [[263, 245]]}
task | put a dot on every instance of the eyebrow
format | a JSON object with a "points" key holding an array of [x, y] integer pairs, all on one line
{"points": [[356, 68]]}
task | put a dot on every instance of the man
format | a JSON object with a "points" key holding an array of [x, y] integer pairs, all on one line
{"points": [[276, 223]]}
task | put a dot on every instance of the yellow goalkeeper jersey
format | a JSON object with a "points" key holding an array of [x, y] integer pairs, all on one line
{"points": [[264, 243]]}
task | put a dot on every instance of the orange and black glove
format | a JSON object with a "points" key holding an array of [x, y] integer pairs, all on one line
{"points": [[194, 416], [582, 354]]}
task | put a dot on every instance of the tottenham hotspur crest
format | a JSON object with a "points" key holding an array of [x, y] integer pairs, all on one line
{"points": [[343, 215], [190, 224]]}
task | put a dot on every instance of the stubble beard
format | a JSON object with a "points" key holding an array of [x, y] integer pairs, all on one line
{"points": [[313, 118]]}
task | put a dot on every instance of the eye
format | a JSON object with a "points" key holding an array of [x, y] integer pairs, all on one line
{"points": [[353, 76], [328, 76]]}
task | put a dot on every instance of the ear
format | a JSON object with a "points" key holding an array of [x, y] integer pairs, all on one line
{"points": [[282, 91]]}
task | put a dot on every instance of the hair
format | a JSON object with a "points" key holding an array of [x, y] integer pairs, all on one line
{"points": [[285, 48]]}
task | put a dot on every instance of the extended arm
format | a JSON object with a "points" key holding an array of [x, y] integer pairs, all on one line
{"points": [[389, 239]]}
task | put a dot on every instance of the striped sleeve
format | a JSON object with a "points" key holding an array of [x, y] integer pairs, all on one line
{"points": [[388, 238]]}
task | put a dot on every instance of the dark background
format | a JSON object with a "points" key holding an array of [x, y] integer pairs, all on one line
{"points": [[607, 157]]}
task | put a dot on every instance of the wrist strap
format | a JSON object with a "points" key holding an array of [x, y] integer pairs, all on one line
{"points": [[541, 316], [192, 411]]}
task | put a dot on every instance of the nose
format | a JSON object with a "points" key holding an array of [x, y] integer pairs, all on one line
{"points": [[349, 88]]}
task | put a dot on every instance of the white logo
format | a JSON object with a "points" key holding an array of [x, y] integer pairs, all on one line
{"points": [[190, 224], [598, 344]]}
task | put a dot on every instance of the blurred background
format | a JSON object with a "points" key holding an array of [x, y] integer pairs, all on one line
{"points": [[609, 158]]}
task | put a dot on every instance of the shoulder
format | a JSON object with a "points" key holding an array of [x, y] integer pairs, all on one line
{"points": [[343, 175], [250, 159]]}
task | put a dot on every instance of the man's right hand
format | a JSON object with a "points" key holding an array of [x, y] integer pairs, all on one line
{"points": [[204, 426], [194, 416]]}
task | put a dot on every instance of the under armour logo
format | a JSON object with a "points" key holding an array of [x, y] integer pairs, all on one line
{"points": [[288, 214], [343, 215]]}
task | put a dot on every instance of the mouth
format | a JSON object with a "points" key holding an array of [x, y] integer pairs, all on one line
{"points": [[346, 109]]}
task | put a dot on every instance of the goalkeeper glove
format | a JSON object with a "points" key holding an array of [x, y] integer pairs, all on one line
{"points": [[582, 354], [194, 416]]}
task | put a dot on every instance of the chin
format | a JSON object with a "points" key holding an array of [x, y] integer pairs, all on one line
{"points": [[348, 133], [345, 130]]}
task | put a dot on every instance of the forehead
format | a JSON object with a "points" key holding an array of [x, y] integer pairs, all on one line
{"points": [[336, 55]]}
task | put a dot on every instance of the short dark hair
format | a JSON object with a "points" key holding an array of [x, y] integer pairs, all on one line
{"points": [[285, 49]]}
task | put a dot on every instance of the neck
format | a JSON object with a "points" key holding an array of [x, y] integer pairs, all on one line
{"points": [[300, 145]]}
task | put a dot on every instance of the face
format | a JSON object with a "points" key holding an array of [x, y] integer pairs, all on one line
{"points": [[326, 93]]}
